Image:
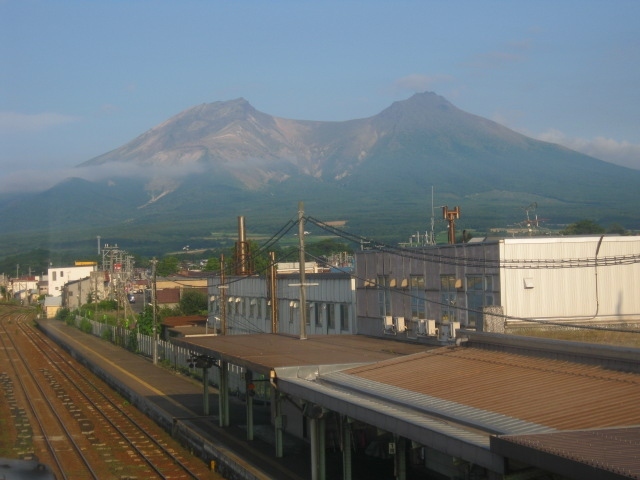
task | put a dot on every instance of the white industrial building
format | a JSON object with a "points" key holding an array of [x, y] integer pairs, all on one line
{"points": [[427, 293]]}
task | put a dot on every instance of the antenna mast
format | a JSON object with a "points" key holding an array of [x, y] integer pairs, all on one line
{"points": [[432, 240]]}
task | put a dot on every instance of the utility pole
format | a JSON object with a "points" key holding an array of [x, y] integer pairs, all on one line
{"points": [[273, 293], [154, 262], [303, 293], [223, 299], [242, 250]]}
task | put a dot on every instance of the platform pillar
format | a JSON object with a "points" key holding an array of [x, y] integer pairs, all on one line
{"points": [[316, 434], [205, 393], [346, 448], [250, 391], [322, 449], [276, 401], [223, 394], [400, 459]]}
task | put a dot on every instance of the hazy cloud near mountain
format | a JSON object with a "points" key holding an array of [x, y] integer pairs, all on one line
{"points": [[36, 180], [417, 82], [621, 153], [12, 122]]}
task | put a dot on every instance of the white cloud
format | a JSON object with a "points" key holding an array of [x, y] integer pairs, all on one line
{"points": [[418, 82], [12, 122], [619, 152], [109, 108], [512, 52], [36, 180], [492, 60]]}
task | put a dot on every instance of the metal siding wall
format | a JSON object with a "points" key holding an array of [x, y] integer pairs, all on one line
{"points": [[619, 284], [570, 293]]}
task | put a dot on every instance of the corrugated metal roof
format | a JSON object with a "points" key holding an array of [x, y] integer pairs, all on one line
{"points": [[557, 394], [603, 454], [264, 352]]}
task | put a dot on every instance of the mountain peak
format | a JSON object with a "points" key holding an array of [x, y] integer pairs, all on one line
{"points": [[230, 109], [226, 155]]}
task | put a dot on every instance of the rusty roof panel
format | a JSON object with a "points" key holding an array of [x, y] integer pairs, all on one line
{"points": [[558, 394], [263, 352], [608, 453]]}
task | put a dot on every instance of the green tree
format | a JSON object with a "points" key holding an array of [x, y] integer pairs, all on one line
{"points": [[326, 247], [63, 314], [257, 261], [583, 227], [145, 321], [213, 265], [193, 302], [167, 266], [616, 228]]}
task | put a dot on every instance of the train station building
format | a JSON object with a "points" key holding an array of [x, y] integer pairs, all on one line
{"points": [[488, 406]]}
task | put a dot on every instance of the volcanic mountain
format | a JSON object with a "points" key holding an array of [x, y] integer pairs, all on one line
{"points": [[205, 166]]}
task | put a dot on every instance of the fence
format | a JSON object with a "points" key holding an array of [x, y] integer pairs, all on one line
{"points": [[169, 355]]}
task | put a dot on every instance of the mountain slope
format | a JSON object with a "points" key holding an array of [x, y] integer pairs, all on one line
{"points": [[200, 169]]}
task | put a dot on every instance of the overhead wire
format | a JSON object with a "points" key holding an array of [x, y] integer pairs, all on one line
{"points": [[430, 253], [425, 254], [407, 293]]}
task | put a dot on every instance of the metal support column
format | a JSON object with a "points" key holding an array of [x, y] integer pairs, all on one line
{"points": [[205, 392], [401, 458], [223, 395], [250, 391], [346, 448], [313, 436], [322, 450], [317, 437], [277, 402]]}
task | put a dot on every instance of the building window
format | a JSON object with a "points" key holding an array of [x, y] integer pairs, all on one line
{"points": [[344, 317], [53, 276], [292, 310], [384, 295], [309, 312], [479, 295], [418, 297], [331, 317], [448, 298], [317, 314]]}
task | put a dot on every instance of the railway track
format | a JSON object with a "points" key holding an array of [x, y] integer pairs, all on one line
{"points": [[77, 424]]}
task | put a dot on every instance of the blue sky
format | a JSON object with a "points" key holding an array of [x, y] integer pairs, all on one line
{"points": [[80, 78]]}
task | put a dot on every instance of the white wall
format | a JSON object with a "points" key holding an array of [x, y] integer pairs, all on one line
{"points": [[59, 276], [571, 278]]}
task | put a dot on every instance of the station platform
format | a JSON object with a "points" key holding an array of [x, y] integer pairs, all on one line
{"points": [[176, 402]]}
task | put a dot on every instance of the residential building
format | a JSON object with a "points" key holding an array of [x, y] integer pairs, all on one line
{"points": [[25, 288], [51, 306], [59, 276]]}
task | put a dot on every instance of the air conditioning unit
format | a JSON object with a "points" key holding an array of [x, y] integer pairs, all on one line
{"points": [[400, 324], [427, 328], [388, 325], [454, 327], [443, 332], [448, 331]]}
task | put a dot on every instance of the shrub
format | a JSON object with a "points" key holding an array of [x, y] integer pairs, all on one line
{"points": [[63, 314], [107, 334], [85, 326]]}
